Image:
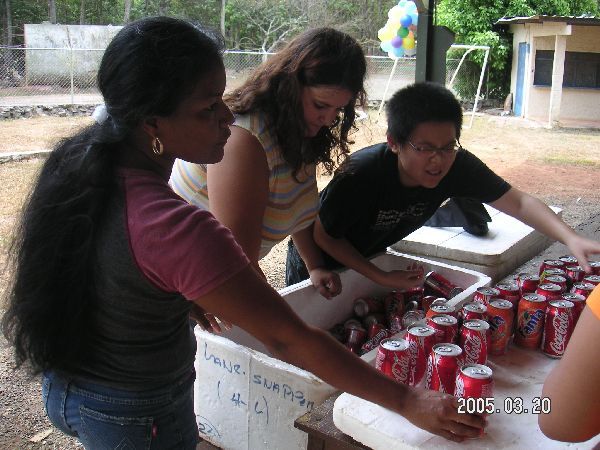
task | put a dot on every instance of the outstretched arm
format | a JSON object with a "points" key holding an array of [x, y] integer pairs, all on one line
{"points": [[345, 253], [248, 301], [536, 214]]}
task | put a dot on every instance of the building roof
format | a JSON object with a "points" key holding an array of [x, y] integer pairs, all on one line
{"points": [[569, 20]]}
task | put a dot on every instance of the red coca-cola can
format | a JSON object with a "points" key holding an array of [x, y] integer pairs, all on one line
{"points": [[551, 264], [435, 310], [427, 301], [395, 323], [474, 381], [552, 271], [352, 322], [356, 335], [338, 331], [414, 294], [441, 285], [557, 279], [393, 304], [558, 327], [442, 366], [574, 274], [474, 339], [578, 301], [372, 318], [473, 310], [445, 326], [569, 260], [595, 265], [372, 343], [367, 305], [530, 320], [393, 359], [550, 291], [584, 289], [592, 279], [527, 282], [510, 292], [374, 329], [420, 339], [500, 318], [484, 294]]}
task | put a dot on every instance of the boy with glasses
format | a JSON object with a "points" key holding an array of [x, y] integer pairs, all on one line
{"points": [[385, 192]]}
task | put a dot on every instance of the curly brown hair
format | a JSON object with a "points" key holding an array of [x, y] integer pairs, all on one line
{"points": [[317, 57]]}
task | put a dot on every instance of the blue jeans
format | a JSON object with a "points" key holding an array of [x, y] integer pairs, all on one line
{"points": [[106, 418]]}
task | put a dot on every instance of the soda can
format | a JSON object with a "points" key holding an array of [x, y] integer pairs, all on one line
{"points": [[373, 318], [356, 335], [584, 289], [592, 279], [530, 320], [395, 323], [574, 274], [414, 294], [557, 279], [569, 260], [435, 310], [485, 294], [527, 282], [549, 290], [558, 328], [350, 322], [426, 302], [372, 343], [595, 265], [578, 301], [441, 285], [552, 271], [393, 359], [445, 326], [474, 381], [501, 316], [393, 304], [474, 339], [510, 292], [374, 329], [473, 310], [366, 305], [442, 366], [420, 341], [551, 263], [338, 331]]}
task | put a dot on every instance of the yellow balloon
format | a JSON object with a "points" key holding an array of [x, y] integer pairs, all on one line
{"points": [[381, 34], [410, 35], [395, 13], [408, 43], [386, 34]]}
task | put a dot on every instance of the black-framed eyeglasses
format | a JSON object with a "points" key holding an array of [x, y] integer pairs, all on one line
{"points": [[428, 150]]}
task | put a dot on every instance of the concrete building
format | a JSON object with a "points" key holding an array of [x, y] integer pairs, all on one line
{"points": [[555, 75]]}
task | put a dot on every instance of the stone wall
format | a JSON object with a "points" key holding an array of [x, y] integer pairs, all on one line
{"points": [[23, 112]]}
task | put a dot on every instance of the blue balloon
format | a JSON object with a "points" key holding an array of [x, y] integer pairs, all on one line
{"points": [[415, 19], [405, 21], [398, 52], [386, 46], [401, 3], [411, 7]]}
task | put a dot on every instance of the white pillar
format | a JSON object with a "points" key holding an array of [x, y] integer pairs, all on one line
{"points": [[558, 69]]}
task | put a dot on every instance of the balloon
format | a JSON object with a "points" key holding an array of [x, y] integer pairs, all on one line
{"points": [[396, 53], [402, 3], [403, 32], [411, 35], [405, 21], [395, 13], [386, 46], [396, 42], [410, 7], [386, 34], [410, 52], [408, 43], [414, 18]]}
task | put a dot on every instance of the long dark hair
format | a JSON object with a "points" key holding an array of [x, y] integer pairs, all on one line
{"points": [[320, 56], [147, 69]]}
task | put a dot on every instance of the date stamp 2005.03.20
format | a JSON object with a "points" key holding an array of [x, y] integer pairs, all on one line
{"points": [[510, 405]]}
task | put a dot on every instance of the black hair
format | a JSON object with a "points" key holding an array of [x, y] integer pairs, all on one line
{"points": [[418, 103], [147, 70]]}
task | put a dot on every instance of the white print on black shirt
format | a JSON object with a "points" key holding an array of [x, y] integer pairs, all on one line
{"points": [[387, 220]]}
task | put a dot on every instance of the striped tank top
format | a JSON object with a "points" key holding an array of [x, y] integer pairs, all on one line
{"points": [[291, 205]]}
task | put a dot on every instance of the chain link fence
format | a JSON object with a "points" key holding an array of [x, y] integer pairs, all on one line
{"points": [[65, 76]]}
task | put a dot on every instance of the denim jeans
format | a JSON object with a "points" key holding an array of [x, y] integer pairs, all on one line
{"points": [[106, 418]]}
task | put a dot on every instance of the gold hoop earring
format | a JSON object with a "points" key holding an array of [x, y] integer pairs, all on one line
{"points": [[157, 146]]}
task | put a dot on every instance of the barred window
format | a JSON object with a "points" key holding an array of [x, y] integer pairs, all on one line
{"points": [[582, 70]]}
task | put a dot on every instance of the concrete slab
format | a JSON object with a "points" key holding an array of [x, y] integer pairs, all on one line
{"points": [[508, 244]]}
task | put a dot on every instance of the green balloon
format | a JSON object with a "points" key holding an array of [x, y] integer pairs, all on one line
{"points": [[402, 32]]}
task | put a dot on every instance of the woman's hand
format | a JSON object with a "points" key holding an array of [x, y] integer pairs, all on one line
{"points": [[327, 282], [207, 321], [413, 276], [438, 413]]}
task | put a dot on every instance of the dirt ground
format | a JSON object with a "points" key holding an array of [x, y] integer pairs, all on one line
{"points": [[559, 166]]}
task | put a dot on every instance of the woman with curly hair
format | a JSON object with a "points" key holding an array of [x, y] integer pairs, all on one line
{"points": [[295, 111]]}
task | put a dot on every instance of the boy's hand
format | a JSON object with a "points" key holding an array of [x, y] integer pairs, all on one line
{"points": [[413, 276], [327, 282]]}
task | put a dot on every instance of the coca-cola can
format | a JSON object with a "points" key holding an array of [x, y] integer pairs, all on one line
{"points": [[595, 265], [530, 320], [395, 323], [500, 318], [393, 304], [374, 329], [592, 279], [574, 274], [338, 331], [558, 327], [484, 294], [393, 359], [445, 326], [442, 366], [473, 310], [474, 339], [578, 301], [552, 271], [557, 279], [372, 318], [366, 305], [352, 322], [441, 285], [426, 302], [434, 310], [584, 289], [551, 264], [372, 343], [569, 260], [420, 339], [527, 282], [356, 335], [510, 292], [550, 291], [474, 381], [414, 294]]}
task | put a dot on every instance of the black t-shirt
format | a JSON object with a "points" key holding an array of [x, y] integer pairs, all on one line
{"points": [[366, 204]]}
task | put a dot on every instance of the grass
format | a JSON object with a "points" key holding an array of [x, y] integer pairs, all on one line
{"points": [[569, 160]]}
